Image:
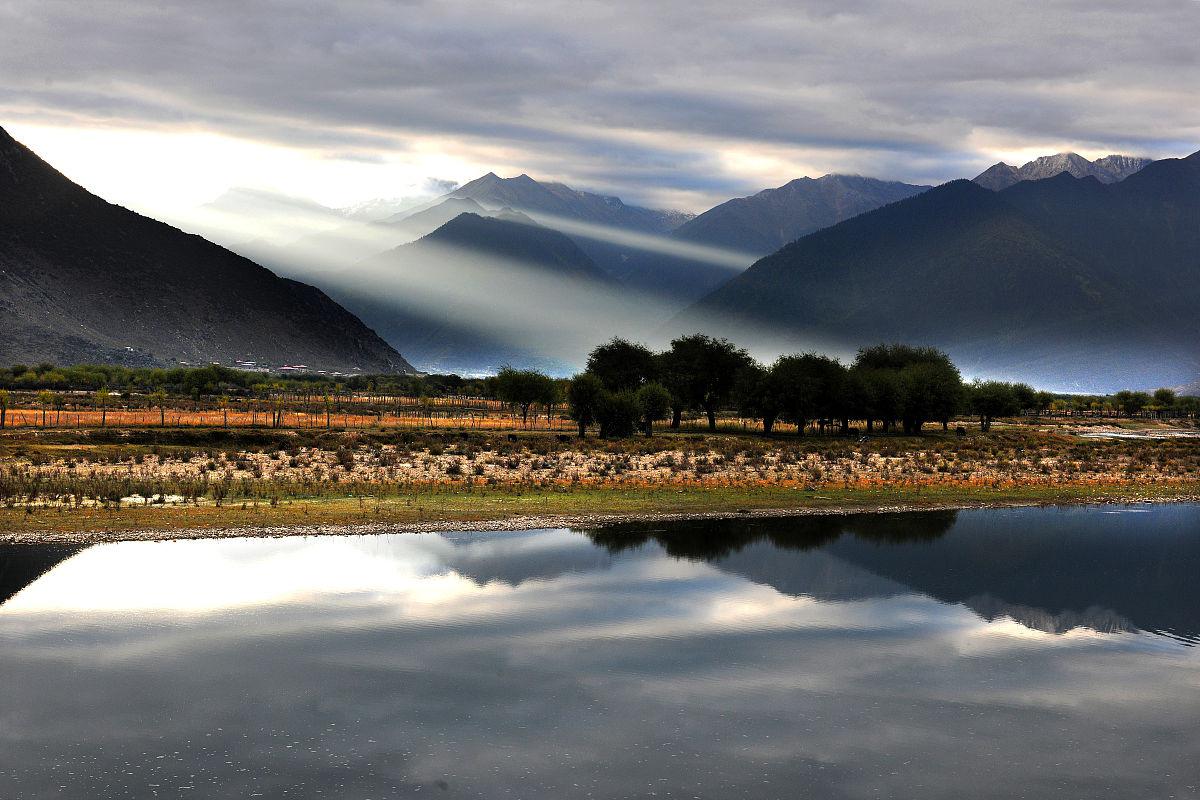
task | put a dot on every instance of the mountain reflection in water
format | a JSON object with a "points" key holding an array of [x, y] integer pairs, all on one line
{"points": [[999, 653]]}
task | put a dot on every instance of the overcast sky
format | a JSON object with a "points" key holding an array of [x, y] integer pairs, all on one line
{"points": [[166, 104]]}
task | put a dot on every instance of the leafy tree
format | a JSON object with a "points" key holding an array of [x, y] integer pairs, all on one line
{"points": [[809, 386], [672, 376], [757, 396], [1043, 402], [1025, 396], [522, 388], [1188, 406], [102, 396], [619, 414], [930, 386], [701, 372], [159, 399], [1132, 403], [5, 399], [549, 396], [585, 394], [991, 399], [622, 365], [654, 403], [881, 398], [1164, 401], [45, 399]]}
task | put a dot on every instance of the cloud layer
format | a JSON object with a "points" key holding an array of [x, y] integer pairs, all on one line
{"points": [[679, 103]]}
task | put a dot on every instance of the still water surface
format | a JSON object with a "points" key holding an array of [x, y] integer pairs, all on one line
{"points": [[1012, 653]]}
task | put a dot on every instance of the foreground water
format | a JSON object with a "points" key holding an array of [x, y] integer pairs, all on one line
{"points": [[1010, 653]]}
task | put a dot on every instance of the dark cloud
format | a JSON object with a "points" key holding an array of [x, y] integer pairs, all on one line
{"points": [[627, 97]]}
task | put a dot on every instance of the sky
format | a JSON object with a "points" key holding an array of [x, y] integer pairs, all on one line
{"points": [[164, 105]]}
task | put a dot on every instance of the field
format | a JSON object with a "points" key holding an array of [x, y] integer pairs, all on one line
{"points": [[170, 478]]}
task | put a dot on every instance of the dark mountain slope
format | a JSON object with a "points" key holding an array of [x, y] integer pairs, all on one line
{"points": [[480, 292], [84, 280], [1023, 283]]}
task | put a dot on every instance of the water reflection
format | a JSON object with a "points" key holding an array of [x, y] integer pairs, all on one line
{"points": [[983, 654]]}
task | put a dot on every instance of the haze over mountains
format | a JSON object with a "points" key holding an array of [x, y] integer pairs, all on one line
{"points": [[484, 291], [84, 280], [1108, 169], [1067, 282]]}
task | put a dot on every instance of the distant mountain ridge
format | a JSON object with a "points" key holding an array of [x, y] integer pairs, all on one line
{"points": [[1067, 282], [523, 193], [84, 280], [756, 225], [1109, 169], [764, 222]]}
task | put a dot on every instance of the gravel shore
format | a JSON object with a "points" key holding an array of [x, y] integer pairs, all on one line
{"points": [[517, 523]]}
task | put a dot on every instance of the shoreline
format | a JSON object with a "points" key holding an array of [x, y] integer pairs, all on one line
{"points": [[562, 520]]}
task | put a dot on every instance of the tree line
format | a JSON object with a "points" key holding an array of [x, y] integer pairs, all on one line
{"points": [[214, 380], [626, 387], [890, 387]]}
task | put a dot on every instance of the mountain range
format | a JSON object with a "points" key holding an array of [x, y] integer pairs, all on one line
{"points": [[82, 280], [1069, 282], [1109, 169], [1075, 274]]}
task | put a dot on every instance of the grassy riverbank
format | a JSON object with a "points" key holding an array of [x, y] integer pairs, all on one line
{"points": [[116, 481], [432, 509]]}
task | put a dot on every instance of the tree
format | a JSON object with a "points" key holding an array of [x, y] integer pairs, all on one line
{"points": [[1132, 403], [102, 397], [522, 388], [1025, 396], [809, 387], [1043, 402], [881, 395], [585, 394], [756, 395], [991, 399], [931, 390], [1188, 406], [223, 400], [1164, 401], [672, 377], [5, 399], [929, 385], [701, 372], [159, 399], [654, 403], [622, 365], [619, 414], [45, 399], [549, 397]]}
